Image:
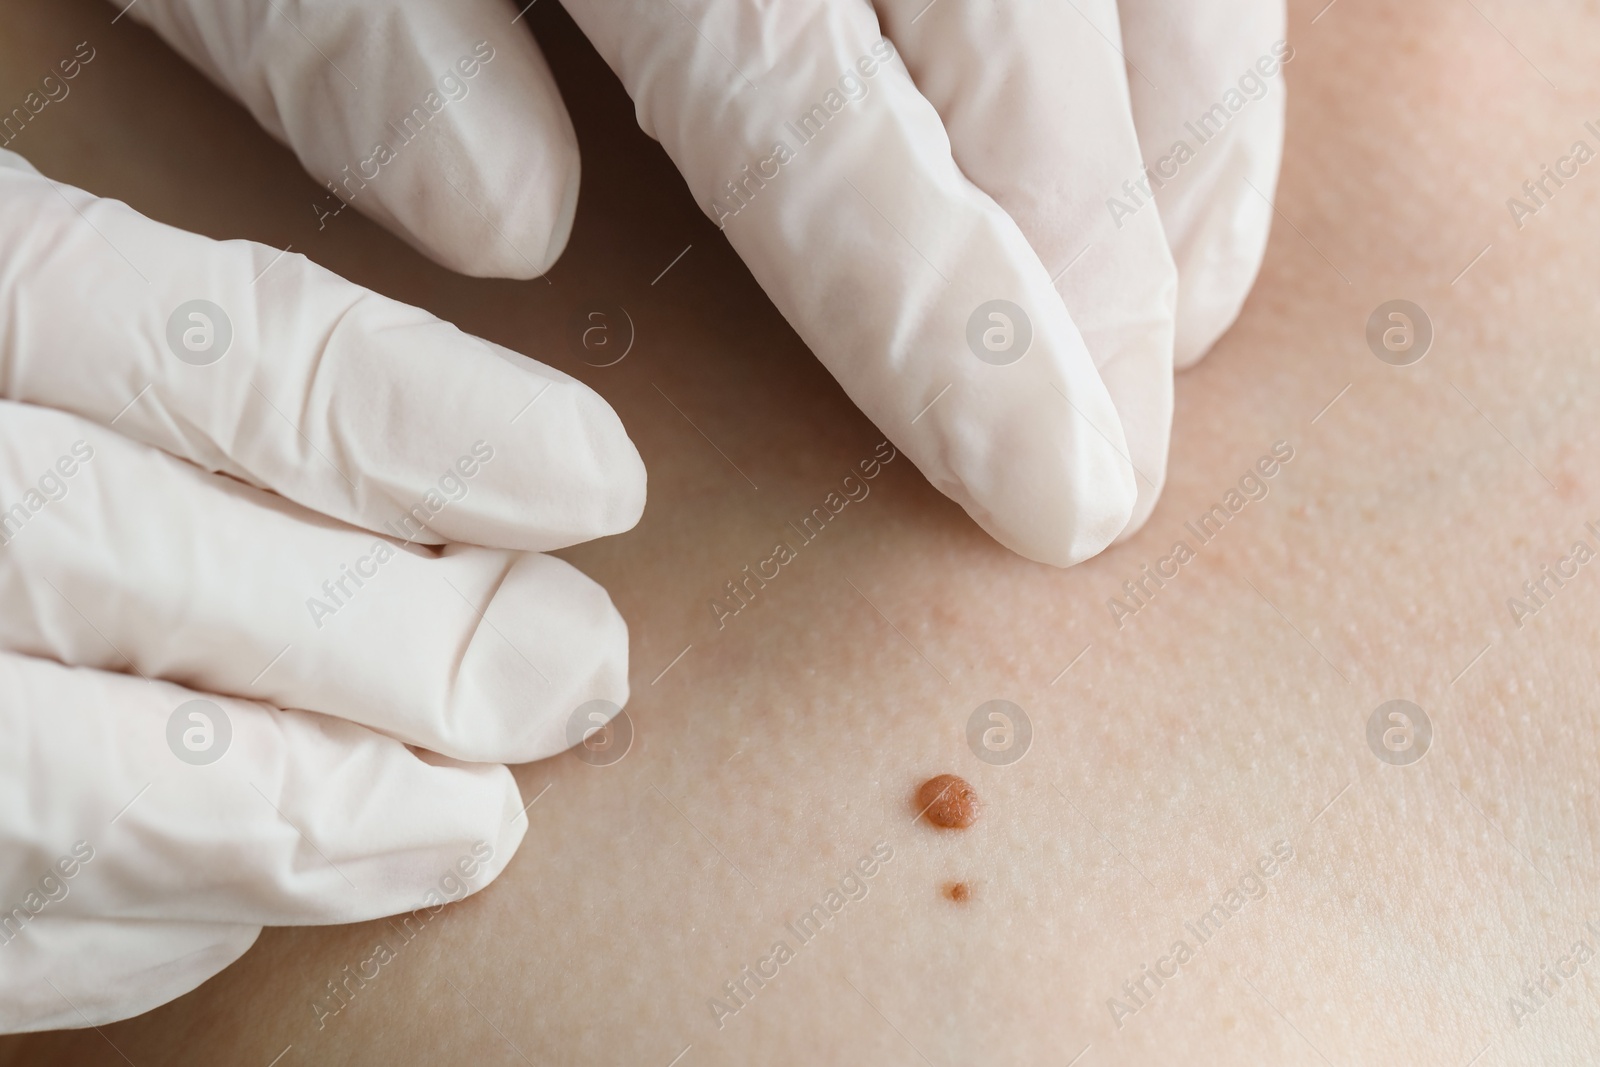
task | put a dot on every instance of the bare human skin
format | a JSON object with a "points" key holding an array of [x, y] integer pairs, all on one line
{"points": [[1199, 770]]}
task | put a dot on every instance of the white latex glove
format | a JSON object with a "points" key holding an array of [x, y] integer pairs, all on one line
{"points": [[170, 523], [973, 159]]}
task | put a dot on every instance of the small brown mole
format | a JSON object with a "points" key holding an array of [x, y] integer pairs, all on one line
{"points": [[960, 892], [948, 802]]}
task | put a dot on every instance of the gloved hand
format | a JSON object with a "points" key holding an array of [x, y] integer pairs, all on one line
{"points": [[224, 470], [885, 191]]}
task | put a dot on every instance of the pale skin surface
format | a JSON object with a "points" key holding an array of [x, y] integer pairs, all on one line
{"points": [[1179, 748]]}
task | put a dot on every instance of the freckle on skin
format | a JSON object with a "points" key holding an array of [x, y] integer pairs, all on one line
{"points": [[948, 802], [960, 892]]}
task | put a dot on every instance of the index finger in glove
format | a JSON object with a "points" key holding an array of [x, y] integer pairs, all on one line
{"points": [[1035, 97], [800, 131], [440, 121]]}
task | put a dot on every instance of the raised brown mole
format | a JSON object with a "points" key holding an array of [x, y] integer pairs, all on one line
{"points": [[960, 892], [948, 802]]}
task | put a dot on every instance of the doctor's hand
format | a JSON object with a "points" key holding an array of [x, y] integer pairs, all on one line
{"points": [[232, 483], [1000, 225]]}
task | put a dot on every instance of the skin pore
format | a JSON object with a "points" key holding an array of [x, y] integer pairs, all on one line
{"points": [[1200, 772]]}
